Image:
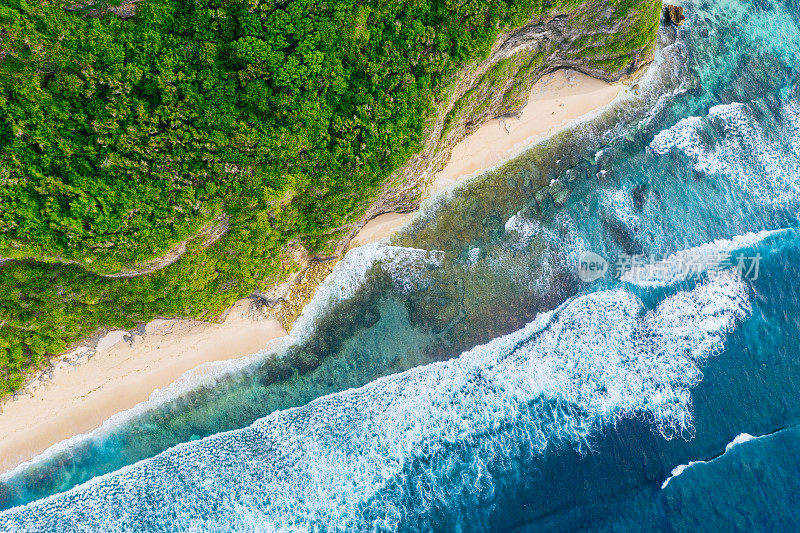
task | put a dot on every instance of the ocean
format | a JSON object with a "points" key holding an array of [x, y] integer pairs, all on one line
{"points": [[601, 335]]}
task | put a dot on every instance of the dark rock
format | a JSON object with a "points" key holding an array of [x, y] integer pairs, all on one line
{"points": [[541, 195], [624, 235], [674, 14], [639, 196]]}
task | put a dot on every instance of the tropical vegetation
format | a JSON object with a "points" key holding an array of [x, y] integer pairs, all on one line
{"points": [[121, 136]]}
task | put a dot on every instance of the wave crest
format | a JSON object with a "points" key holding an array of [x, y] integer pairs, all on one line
{"points": [[731, 142], [342, 461]]}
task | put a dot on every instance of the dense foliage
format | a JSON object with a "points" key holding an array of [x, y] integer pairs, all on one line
{"points": [[119, 138]]}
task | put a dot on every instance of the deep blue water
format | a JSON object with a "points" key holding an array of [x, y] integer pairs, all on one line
{"points": [[466, 378]]}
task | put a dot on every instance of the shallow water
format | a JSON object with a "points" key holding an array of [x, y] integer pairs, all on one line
{"points": [[465, 378]]}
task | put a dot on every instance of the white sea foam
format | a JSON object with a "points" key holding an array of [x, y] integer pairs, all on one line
{"points": [[741, 438], [766, 166], [406, 266], [473, 255], [668, 77], [561, 244], [523, 227], [677, 471], [708, 258], [683, 135], [341, 461], [620, 203], [561, 234]]}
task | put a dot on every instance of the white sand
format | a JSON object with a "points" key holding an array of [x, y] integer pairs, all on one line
{"points": [[380, 228], [556, 101], [120, 375]]}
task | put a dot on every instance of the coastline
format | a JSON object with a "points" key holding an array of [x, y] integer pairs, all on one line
{"points": [[124, 372], [556, 101], [120, 372]]}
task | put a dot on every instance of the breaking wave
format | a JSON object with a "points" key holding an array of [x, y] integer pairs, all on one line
{"points": [[341, 461], [730, 141], [709, 258], [405, 266], [680, 469]]}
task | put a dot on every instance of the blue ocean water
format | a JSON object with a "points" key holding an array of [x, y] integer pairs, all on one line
{"points": [[466, 379]]}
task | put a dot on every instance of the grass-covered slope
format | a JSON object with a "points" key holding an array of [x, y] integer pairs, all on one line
{"points": [[119, 138]]}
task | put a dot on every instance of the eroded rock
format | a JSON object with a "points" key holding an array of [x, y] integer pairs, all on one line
{"points": [[674, 14]]}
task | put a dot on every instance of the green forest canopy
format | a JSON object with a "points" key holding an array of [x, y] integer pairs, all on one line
{"points": [[119, 138]]}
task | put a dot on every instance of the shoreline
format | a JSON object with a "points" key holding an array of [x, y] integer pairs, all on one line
{"points": [[121, 371], [124, 370], [556, 101]]}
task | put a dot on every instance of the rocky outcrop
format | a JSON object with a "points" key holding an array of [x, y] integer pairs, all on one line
{"points": [[575, 40], [674, 14], [300, 292]]}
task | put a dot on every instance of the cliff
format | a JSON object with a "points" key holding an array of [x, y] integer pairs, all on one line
{"points": [[595, 38], [176, 161]]}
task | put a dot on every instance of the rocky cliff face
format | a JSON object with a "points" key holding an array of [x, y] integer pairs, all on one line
{"points": [[596, 39], [609, 40]]}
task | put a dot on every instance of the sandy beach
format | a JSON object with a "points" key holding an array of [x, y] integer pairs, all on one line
{"points": [[555, 102], [125, 370]]}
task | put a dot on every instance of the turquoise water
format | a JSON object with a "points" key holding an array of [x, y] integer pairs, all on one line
{"points": [[465, 378]]}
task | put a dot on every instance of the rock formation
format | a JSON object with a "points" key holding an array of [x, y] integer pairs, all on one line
{"points": [[674, 14]]}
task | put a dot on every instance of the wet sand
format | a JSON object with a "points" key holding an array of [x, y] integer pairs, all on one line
{"points": [[123, 372]]}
